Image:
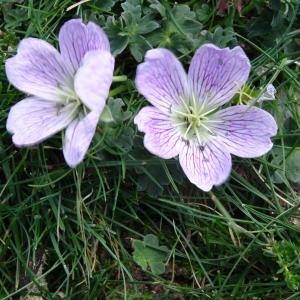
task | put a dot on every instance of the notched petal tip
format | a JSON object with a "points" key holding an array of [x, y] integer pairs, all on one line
{"points": [[76, 39], [161, 78], [158, 53], [216, 74], [37, 69]]}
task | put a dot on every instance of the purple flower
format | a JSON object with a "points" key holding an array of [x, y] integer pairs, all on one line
{"points": [[186, 118], [68, 89], [269, 93]]}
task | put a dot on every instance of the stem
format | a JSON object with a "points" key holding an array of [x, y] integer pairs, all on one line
{"points": [[231, 223], [119, 78]]}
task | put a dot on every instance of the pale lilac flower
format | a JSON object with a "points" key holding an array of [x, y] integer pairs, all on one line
{"points": [[68, 90], [269, 94], [186, 118]]}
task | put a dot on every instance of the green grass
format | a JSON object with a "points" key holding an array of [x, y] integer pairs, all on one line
{"points": [[67, 234]]}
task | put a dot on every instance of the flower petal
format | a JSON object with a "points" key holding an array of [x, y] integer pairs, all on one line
{"points": [[76, 39], [161, 138], [269, 93], [161, 79], [216, 74], [246, 130], [37, 69], [78, 138], [93, 79], [33, 120], [205, 166]]}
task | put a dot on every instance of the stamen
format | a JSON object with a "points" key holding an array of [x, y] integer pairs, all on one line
{"points": [[180, 112], [184, 103], [187, 131], [208, 129], [194, 100], [198, 137], [193, 120], [208, 112], [180, 124], [214, 121]]}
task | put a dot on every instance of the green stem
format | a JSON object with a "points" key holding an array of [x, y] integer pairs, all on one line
{"points": [[231, 223], [117, 90], [119, 78]]}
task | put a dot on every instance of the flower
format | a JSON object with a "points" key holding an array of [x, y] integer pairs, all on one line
{"points": [[68, 89], [186, 119], [269, 94]]}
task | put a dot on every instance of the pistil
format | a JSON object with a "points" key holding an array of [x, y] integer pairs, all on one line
{"points": [[193, 120]]}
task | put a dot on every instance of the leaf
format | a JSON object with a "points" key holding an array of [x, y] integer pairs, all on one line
{"points": [[270, 22], [138, 47], [116, 110], [119, 140], [292, 166], [106, 115], [186, 20], [151, 176], [131, 29], [221, 37], [147, 25], [203, 13], [118, 42], [148, 254], [275, 4], [105, 5], [13, 16], [287, 254]]}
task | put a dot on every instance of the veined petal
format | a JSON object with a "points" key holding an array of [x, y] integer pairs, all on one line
{"points": [[161, 138], [205, 166], [33, 120], [76, 39], [37, 69], [161, 79], [215, 74], [246, 131], [93, 79], [78, 138]]}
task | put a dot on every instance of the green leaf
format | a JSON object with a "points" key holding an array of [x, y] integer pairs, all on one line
{"points": [[147, 25], [148, 254], [221, 37], [292, 165], [116, 109], [153, 179], [105, 5], [287, 254], [203, 13], [275, 4], [138, 47], [131, 29], [118, 41], [106, 115], [186, 20]]}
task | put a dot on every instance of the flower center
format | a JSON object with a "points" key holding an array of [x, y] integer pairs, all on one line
{"points": [[71, 102], [194, 120]]}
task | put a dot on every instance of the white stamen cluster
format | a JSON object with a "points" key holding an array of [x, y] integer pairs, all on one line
{"points": [[194, 119], [70, 101]]}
